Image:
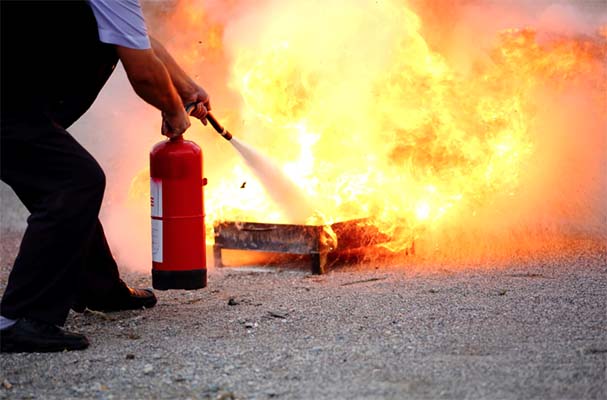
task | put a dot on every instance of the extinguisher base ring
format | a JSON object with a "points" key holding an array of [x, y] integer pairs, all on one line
{"points": [[187, 280]]}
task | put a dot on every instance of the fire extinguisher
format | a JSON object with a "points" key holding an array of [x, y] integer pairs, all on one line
{"points": [[178, 233]]}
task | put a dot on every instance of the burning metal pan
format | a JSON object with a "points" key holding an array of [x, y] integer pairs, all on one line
{"points": [[317, 241]]}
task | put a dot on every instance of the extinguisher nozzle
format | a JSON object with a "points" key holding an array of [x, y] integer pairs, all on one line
{"points": [[226, 134], [220, 129]]}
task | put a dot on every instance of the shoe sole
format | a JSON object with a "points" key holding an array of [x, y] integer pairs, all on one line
{"points": [[140, 306], [28, 348]]}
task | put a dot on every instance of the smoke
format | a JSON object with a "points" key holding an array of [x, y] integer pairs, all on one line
{"points": [[563, 186], [120, 130]]}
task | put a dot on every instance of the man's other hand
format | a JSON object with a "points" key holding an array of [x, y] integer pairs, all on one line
{"points": [[174, 125]]}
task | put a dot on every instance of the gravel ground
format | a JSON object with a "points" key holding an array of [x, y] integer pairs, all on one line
{"points": [[534, 328], [525, 329]]}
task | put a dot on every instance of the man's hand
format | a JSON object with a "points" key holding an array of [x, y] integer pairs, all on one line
{"points": [[201, 101], [175, 124]]}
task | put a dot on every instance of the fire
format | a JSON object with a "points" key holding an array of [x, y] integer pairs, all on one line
{"points": [[371, 122]]}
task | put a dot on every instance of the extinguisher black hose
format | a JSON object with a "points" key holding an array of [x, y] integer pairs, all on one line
{"points": [[220, 129], [214, 123]]}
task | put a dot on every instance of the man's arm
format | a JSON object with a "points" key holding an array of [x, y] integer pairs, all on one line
{"points": [[189, 91], [151, 80], [153, 73]]}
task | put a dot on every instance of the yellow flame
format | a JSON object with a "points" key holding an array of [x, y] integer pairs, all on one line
{"points": [[371, 122]]}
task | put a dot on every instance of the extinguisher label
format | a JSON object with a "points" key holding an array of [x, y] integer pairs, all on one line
{"points": [[156, 197], [156, 203], [157, 240]]}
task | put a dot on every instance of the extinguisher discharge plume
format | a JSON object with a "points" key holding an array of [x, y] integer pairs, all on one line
{"points": [[281, 189]]}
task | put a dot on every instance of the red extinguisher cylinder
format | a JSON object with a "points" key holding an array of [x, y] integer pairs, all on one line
{"points": [[177, 201]]}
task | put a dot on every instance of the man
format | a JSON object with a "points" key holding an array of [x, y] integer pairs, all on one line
{"points": [[56, 57]]}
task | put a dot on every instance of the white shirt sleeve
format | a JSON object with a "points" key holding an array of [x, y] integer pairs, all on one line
{"points": [[121, 22]]}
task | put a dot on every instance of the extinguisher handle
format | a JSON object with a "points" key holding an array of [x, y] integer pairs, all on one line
{"points": [[189, 107]]}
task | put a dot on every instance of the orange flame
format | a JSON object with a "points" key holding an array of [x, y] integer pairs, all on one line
{"points": [[371, 122]]}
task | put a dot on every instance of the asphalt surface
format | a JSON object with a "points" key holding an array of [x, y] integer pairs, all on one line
{"points": [[385, 329]]}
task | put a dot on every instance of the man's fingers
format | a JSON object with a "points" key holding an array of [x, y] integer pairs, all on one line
{"points": [[200, 112], [172, 131], [166, 129], [183, 128]]}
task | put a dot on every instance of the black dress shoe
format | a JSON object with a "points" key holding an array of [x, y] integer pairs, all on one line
{"points": [[129, 299], [31, 336], [119, 299]]}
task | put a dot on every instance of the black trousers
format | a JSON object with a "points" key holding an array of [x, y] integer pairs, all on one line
{"points": [[64, 254]]}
